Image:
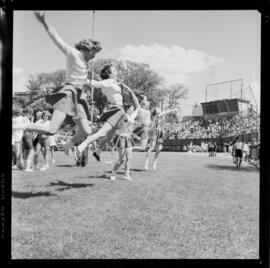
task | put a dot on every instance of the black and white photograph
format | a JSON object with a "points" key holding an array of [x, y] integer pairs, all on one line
{"points": [[136, 134]]}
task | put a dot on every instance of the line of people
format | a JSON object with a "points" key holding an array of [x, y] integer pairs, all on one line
{"points": [[28, 145]]}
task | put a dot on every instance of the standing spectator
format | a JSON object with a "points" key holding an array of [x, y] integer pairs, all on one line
{"points": [[215, 149], [238, 146], [53, 147], [17, 135], [210, 148], [43, 143], [246, 153]]}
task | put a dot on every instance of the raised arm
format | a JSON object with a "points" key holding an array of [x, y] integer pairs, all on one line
{"points": [[65, 48], [166, 112]]}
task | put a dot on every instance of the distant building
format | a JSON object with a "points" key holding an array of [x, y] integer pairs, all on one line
{"points": [[224, 108], [197, 110]]}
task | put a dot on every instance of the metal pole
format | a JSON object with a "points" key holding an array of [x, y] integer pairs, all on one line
{"points": [[92, 72]]}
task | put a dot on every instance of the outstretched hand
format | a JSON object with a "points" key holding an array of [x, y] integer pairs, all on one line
{"points": [[40, 15]]}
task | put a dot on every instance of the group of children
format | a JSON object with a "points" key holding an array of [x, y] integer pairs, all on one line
{"points": [[118, 119], [28, 145]]}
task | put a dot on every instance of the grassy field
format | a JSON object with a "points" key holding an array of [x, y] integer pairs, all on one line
{"points": [[193, 206]]}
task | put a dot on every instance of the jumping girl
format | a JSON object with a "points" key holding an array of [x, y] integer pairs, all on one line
{"points": [[113, 114], [69, 99]]}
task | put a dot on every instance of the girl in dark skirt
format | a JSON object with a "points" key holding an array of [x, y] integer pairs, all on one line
{"points": [[69, 99], [123, 139], [113, 114]]}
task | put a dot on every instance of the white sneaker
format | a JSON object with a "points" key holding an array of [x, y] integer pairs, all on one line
{"points": [[127, 178], [53, 161], [28, 170], [43, 168], [81, 147], [154, 167], [112, 178], [146, 168]]}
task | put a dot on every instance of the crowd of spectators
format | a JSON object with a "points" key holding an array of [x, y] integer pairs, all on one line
{"points": [[211, 128]]}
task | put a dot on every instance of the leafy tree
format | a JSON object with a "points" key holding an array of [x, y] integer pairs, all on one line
{"points": [[175, 94], [42, 83], [138, 76]]}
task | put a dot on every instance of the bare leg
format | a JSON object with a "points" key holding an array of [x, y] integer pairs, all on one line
{"points": [[146, 164], [19, 155], [121, 154], [56, 122], [52, 154], [46, 157], [36, 155], [100, 134], [128, 163], [28, 160], [104, 140], [156, 159], [83, 130]]}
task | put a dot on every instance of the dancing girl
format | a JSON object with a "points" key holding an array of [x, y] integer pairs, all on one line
{"points": [[113, 114], [123, 139], [70, 98]]}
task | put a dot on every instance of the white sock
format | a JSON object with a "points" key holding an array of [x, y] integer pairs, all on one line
{"points": [[82, 147], [146, 164]]}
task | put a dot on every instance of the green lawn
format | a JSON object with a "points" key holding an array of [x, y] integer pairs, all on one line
{"points": [[193, 206]]}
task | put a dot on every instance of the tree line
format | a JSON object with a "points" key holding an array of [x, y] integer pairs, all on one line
{"points": [[138, 76]]}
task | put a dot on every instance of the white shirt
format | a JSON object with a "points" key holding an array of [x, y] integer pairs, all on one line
{"points": [[18, 133], [144, 116], [128, 125], [76, 65], [111, 89]]}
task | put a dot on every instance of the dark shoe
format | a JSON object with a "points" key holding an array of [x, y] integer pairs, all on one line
{"points": [[96, 156]]}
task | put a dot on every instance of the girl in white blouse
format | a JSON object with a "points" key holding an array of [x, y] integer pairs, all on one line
{"points": [[113, 114], [70, 98]]}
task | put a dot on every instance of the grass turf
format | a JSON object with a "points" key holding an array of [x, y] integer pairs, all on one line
{"points": [[193, 206]]}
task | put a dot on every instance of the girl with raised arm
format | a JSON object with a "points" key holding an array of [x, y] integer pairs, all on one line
{"points": [[69, 99], [113, 114]]}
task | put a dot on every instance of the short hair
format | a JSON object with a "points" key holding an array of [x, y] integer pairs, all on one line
{"points": [[145, 103], [106, 72], [45, 113], [16, 111], [127, 106], [88, 44]]}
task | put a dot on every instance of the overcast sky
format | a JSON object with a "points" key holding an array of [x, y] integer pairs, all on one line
{"points": [[194, 48]]}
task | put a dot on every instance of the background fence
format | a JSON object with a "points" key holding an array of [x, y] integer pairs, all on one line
{"points": [[178, 145]]}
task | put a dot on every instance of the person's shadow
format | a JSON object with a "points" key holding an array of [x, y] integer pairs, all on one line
{"points": [[67, 186], [233, 168], [25, 195]]}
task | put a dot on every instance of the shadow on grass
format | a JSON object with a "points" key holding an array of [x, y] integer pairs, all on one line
{"points": [[99, 177], [136, 169], [67, 186], [66, 165], [24, 195], [109, 172], [234, 168]]}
